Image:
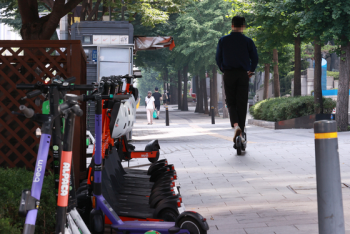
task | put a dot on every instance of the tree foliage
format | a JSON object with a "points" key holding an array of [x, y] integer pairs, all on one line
{"points": [[149, 80], [24, 14], [150, 12], [200, 28]]}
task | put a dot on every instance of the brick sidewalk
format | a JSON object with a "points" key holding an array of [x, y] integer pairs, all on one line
{"points": [[270, 189]]}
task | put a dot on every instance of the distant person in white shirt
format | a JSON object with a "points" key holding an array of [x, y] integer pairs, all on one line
{"points": [[150, 107]]}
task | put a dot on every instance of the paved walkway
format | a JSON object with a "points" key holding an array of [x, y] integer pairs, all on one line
{"points": [[270, 189]]}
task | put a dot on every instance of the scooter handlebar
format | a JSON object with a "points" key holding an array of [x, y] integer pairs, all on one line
{"points": [[83, 87], [26, 86], [77, 110], [70, 79], [120, 97], [28, 112], [34, 93]]}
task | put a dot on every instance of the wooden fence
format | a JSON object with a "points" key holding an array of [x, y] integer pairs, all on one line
{"points": [[29, 62]]}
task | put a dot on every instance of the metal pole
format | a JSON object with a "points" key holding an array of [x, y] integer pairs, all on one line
{"points": [[166, 116], [329, 194], [212, 115], [110, 13]]}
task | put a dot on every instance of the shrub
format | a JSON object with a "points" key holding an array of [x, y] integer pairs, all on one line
{"points": [[12, 182], [277, 109], [334, 74]]}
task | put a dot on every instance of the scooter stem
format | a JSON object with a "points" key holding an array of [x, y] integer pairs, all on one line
{"points": [[98, 146]]}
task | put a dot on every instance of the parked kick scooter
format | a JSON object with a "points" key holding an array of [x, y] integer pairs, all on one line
{"points": [[55, 90], [131, 199], [188, 222], [122, 117], [30, 200]]}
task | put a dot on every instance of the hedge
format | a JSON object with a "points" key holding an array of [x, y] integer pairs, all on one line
{"points": [[12, 182], [334, 74], [277, 109]]}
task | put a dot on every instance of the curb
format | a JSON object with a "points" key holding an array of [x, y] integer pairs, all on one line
{"points": [[262, 123]]}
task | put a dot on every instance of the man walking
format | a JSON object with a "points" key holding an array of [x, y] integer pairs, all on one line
{"points": [[157, 97], [237, 58]]}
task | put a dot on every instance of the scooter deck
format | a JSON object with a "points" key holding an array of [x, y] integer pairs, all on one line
{"points": [[135, 227], [128, 201], [125, 208]]}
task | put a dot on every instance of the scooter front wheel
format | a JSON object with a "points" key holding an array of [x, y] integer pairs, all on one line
{"points": [[97, 222], [191, 225], [239, 145]]}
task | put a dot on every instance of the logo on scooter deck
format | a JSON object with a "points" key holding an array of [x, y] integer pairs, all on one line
{"points": [[38, 171], [144, 155], [65, 179]]}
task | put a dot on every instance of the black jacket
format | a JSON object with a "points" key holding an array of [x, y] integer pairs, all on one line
{"points": [[236, 51]]}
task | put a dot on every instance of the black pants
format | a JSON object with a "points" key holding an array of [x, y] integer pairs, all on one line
{"points": [[236, 83]]}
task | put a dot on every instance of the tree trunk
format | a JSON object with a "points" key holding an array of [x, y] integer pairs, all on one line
{"points": [[35, 28], [166, 79], [343, 89], [179, 90], [205, 96], [266, 81], [276, 78], [184, 99], [84, 9], [211, 102], [201, 92], [173, 91], [196, 84], [255, 81], [317, 78], [215, 91], [224, 108], [94, 11], [200, 95], [297, 67]]}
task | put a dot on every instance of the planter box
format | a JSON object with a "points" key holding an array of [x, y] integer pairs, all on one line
{"points": [[301, 122]]}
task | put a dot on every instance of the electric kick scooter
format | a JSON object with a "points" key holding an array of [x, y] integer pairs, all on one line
{"points": [[30, 200], [133, 198], [239, 145], [188, 222], [64, 185], [127, 151]]}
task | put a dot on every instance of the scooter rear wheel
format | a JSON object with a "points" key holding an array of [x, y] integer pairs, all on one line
{"points": [[168, 215], [191, 225], [239, 145]]}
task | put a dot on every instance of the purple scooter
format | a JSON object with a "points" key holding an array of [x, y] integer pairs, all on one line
{"points": [[188, 222], [30, 199]]}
